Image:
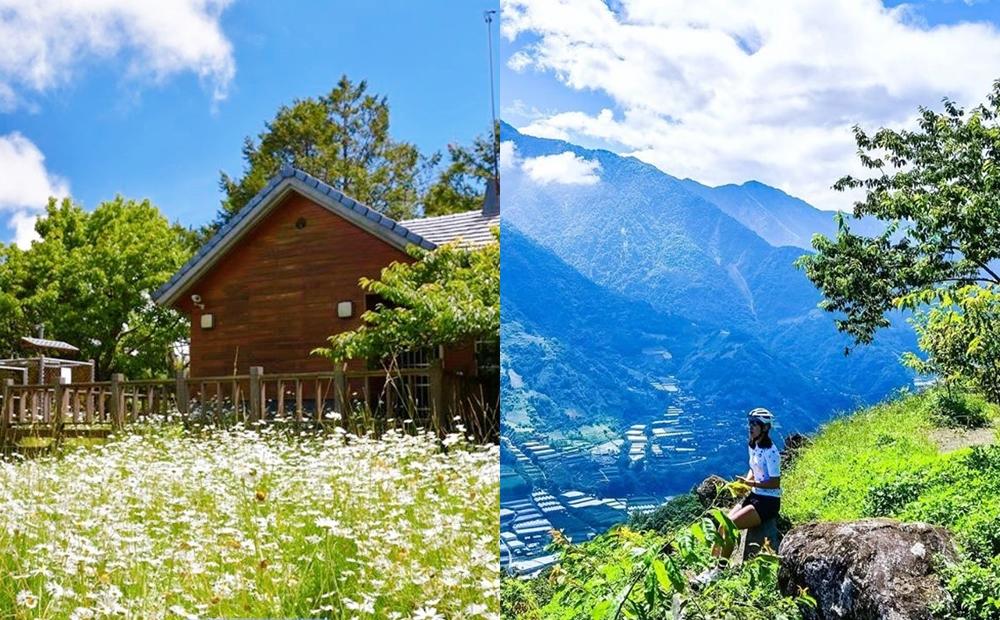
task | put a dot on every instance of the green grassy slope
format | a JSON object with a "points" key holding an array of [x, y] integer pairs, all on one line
{"points": [[830, 480], [884, 462]]}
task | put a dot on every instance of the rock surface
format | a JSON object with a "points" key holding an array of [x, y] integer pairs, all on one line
{"points": [[753, 540], [865, 570], [710, 493], [794, 444]]}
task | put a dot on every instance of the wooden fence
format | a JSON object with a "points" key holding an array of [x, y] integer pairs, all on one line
{"points": [[357, 400]]}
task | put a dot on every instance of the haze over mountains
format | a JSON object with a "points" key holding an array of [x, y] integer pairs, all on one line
{"points": [[775, 216], [620, 281]]}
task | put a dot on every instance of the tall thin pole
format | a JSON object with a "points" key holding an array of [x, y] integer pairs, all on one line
{"points": [[488, 16]]}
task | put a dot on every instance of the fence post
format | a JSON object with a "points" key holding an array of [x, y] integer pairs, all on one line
{"points": [[7, 409], [117, 401], [435, 376], [181, 395], [340, 401], [59, 407], [256, 394]]}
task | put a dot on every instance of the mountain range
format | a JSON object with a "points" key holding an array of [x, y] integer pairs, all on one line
{"points": [[775, 216], [627, 289]]}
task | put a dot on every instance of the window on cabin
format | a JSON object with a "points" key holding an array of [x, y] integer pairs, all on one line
{"points": [[411, 394], [419, 358]]}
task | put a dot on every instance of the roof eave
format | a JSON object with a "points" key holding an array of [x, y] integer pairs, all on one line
{"points": [[364, 217]]}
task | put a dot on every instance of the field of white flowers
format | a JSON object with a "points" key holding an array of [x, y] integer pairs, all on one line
{"points": [[169, 524]]}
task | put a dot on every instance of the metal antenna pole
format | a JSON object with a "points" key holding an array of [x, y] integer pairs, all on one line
{"points": [[488, 16]]}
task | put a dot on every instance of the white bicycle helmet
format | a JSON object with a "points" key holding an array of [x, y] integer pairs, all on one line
{"points": [[761, 416]]}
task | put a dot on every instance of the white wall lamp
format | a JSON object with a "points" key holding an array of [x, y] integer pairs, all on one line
{"points": [[207, 321], [345, 309]]}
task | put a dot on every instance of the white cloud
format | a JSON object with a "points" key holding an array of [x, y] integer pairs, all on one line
{"points": [[565, 168], [724, 92], [44, 41], [508, 158], [23, 224], [25, 185]]}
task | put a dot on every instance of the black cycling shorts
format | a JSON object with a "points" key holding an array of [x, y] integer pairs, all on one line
{"points": [[767, 506]]}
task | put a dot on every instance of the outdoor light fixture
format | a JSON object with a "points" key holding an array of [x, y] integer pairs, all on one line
{"points": [[207, 321], [345, 309]]}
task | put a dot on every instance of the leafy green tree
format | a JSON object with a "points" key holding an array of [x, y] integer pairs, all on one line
{"points": [[462, 183], [936, 187], [342, 138], [960, 331], [448, 295], [89, 281]]}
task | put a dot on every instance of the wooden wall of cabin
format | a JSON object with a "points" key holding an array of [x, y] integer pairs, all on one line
{"points": [[274, 295]]}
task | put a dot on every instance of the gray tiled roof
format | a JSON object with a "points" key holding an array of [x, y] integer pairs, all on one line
{"points": [[472, 227], [318, 190], [44, 343]]}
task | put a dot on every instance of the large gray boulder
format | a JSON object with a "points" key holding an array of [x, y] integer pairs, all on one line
{"points": [[866, 570]]}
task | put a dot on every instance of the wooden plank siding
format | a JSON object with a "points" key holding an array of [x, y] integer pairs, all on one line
{"points": [[274, 294]]}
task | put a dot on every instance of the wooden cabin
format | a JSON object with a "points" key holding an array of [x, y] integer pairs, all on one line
{"points": [[282, 276]]}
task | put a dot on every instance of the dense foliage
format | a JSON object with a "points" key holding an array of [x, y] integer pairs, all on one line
{"points": [[88, 281], [459, 186], [961, 335], [448, 295], [343, 138], [630, 574], [678, 512], [936, 189], [953, 407], [167, 523]]}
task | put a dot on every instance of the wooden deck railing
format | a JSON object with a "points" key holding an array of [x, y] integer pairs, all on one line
{"points": [[419, 396]]}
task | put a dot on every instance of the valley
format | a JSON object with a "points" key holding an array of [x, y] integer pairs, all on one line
{"points": [[636, 335]]}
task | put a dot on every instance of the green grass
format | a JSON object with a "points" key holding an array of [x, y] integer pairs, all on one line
{"points": [[882, 461], [167, 523], [830, 480]]}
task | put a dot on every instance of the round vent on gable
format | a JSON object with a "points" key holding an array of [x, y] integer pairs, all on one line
{"points": [[300, 223]]}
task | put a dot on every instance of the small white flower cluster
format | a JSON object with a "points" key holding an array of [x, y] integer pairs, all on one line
{"points": [[167, 524]]}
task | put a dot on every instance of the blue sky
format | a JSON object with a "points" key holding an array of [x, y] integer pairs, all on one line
{"points": [[167, 107], [727, 92]]}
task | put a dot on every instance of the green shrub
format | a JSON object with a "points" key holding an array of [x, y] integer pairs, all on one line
{"points": [[974, 589], [888, 498], [523, 599], [676, 513], [959, 491], [647, 575], [954, 408], [748, 592]]}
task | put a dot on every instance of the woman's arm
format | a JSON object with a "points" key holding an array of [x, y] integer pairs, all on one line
{"points": [[770, 483]]}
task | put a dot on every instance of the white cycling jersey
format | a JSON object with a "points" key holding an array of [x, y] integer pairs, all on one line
{"points": [[765, 463]]}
